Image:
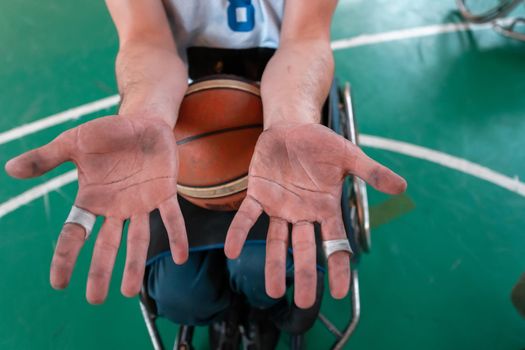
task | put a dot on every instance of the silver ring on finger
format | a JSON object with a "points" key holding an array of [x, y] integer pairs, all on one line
{"points": [[83, 218], [336, 245]]}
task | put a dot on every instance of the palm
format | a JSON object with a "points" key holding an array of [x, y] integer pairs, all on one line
{"points": [[308, 185], [296, 177], [127, 167]]}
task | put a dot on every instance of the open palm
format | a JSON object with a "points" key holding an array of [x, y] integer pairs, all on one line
{"points": [[127, 167], [296, 177]]}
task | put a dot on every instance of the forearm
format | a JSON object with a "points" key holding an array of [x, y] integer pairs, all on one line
{"points": [[296, 82], [152, 80]]}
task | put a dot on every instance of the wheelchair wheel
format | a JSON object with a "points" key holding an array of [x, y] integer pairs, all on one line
{"points": [[500, 10]]}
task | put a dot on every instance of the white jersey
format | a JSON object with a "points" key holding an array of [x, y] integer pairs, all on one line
{"points": [[228, 24]]}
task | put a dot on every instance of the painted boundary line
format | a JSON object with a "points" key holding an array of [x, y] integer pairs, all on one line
{"points": [[59, 118], [403, 34], [440, 158], [361, 40], [37, 192], [446, 160]]}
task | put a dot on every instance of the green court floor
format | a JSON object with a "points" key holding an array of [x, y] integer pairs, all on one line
{"points": [[445, 255]]}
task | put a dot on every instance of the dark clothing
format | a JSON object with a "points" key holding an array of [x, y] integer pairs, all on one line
{"points": [[201, 290]]}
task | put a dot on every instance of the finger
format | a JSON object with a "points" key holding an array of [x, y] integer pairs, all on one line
{"points": [[70, 241], [304, 254], [38, 161], [338, 262], [174, 222], [275, 267], [137, 251], [103, 260], [242, 222], [375, 174]]}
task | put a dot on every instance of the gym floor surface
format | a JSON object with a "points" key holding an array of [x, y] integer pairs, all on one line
{"points": [[441, 105]]}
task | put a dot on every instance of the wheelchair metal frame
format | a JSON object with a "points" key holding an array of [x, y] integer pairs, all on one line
{"points": [[494, 16], [356, 220]]}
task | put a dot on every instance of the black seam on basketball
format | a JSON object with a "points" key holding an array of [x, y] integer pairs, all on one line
{"points": [[215, 185], [215, 132]]}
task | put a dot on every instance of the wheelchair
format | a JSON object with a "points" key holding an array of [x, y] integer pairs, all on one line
{"points": [[495, 16], [339, 116]]}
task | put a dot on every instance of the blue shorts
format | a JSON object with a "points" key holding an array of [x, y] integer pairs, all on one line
{"points": [[201, 290]]}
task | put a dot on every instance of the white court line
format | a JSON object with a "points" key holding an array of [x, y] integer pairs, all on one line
{"points": [[361, 40], [59, 118], [437, 157], [37, 192], [403, 34], [446, 160]]}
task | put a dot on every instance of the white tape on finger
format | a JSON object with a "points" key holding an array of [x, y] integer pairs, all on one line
{"points": [[336, 245], [83, 218]]}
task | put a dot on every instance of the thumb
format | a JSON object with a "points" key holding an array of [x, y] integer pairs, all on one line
{"points": [[375, 174], [38, 161]]}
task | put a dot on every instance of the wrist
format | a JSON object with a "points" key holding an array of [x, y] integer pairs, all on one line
{"points": [[293, 119], [138, 116], [142, 108], [152, 81]]}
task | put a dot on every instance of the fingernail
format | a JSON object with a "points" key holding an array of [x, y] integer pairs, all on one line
{"points": [[8, 165]]}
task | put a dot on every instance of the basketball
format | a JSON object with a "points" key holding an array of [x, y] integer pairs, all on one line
{"points": [[220, 120]]}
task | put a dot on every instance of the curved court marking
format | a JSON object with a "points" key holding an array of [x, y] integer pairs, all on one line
{"points": [[456, 163], [444, 159], [403, 34], [59, 118], [37, 192], [361, 40]]}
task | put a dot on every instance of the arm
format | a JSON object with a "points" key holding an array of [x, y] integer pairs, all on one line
{"points": [[298, 77], [152, 79], [127, 164], [298, 167]]}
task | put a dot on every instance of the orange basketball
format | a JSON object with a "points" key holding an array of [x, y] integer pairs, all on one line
{"points": [[219, 122]]}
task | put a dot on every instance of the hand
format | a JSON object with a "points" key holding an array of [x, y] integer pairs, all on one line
{"points": [[296, 177], [127, 167]]}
